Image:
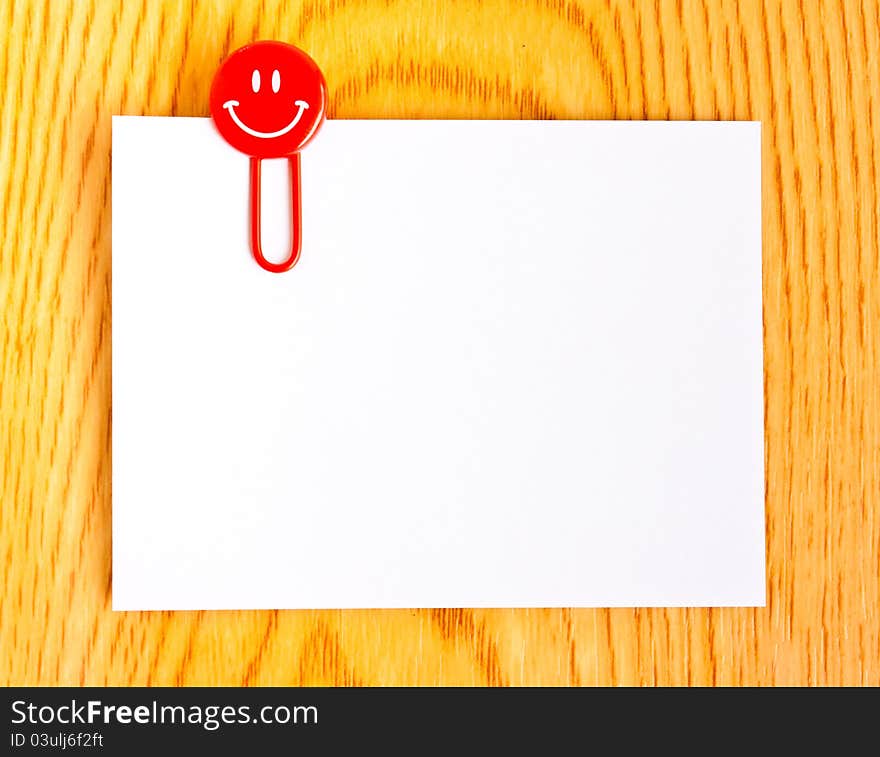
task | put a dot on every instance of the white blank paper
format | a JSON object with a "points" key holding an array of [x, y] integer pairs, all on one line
{"points": [[518, 364]]}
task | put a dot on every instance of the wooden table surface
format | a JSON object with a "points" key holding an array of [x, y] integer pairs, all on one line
{"points": [[810, 71]]}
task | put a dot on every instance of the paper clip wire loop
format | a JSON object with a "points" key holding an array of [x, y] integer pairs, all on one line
{"points": [[295, 217]]}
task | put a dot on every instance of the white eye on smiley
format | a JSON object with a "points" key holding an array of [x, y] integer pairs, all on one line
{"points": [[276, 80], [255, 81]]}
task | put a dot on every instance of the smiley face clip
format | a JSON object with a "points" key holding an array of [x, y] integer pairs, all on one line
{"points": [[268, 101]]}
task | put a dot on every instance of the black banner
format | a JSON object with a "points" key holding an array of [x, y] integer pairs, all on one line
{"points": [[121, 720]]}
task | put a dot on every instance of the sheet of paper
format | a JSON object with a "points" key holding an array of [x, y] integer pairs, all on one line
{"points": [[518, 365]]}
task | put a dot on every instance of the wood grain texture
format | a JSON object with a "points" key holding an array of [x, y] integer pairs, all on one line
{"points": [[810, 71]]}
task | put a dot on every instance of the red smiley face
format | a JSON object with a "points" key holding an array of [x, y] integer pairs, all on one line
{"points": [[268, 99]]}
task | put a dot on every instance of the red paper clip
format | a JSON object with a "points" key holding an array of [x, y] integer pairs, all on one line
{"points": [[268, 101]]}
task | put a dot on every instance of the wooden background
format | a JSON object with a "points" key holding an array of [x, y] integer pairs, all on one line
{"points": [[810, 71]]}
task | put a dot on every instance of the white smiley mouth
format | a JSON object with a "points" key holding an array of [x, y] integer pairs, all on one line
{"points": [[230, 106]]}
